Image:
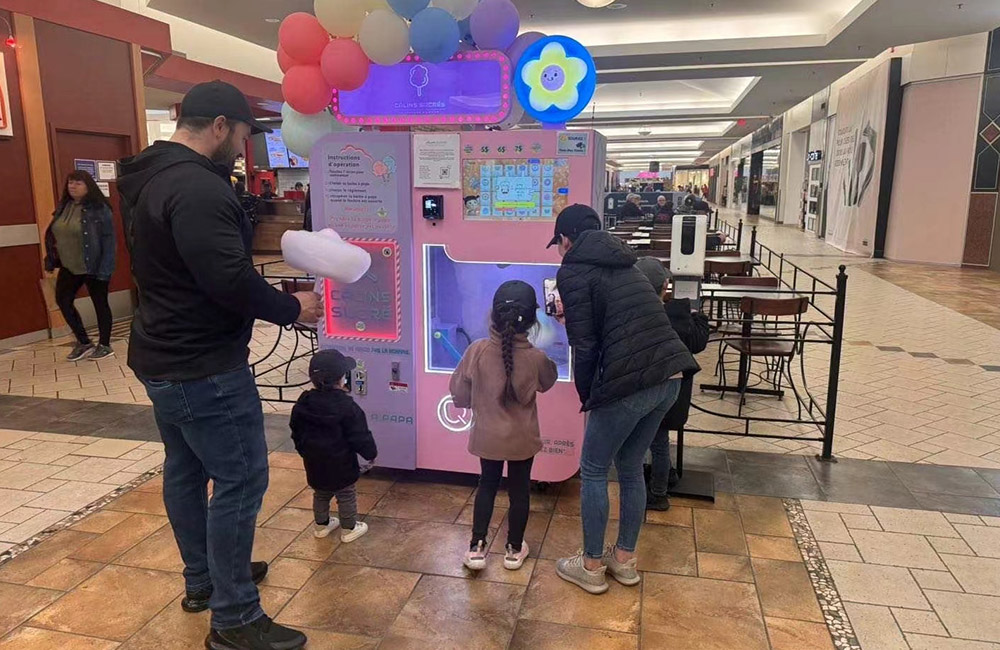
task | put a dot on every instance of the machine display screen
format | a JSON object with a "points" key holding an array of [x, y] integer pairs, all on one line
{"points": [[459, 299], [518, 189]]}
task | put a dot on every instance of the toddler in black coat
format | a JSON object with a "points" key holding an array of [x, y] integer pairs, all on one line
{"points": [[330, 430]]}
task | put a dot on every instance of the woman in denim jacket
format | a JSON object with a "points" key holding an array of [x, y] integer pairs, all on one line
{"points": [[80, 242]]}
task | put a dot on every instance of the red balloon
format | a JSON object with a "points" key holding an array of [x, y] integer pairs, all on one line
{"points": [[305, 89], [286, 62], [302, 37], [345, 64]]}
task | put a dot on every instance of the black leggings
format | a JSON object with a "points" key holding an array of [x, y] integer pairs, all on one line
{"points": [[67, 286], [519, 491]]}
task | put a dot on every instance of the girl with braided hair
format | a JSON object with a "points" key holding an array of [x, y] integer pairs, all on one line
{"points": [[499, 378]]}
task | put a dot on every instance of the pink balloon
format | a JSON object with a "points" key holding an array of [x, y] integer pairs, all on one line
{"points": [[302, 37], [305, 89], [286, 62], [345, 65]]}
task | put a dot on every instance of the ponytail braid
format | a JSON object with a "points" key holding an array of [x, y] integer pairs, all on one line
{"points": [[507, 353]]}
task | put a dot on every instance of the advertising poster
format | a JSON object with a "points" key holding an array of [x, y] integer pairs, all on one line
{"points": [[436, 160], [856, 162], [573, 143]]}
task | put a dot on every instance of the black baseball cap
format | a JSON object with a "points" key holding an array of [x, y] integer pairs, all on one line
{"points": [[574, 220], [517, 293], [214, 98], [328, 366]]}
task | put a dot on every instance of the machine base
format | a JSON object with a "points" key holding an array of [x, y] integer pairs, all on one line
{"points": [[695, 484]]}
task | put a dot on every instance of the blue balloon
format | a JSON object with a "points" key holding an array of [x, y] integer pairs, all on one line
{"points": [[434, 35], [465, 31], [408, 8]]}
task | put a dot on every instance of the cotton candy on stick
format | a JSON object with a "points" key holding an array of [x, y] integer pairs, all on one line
{"points": [[325, 255]]}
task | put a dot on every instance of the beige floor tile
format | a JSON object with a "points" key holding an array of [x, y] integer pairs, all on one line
{"points": [[44, 452], [876, 585], [22, 475], [763, 516], [157, 552], [667, 549], [985, 541], [918, 522], [290, 573], [120, 538], [875, 627], [918, 622], [785, 590], [295, 519], [93, 470], [33, 638], [20, 515], [21, 603], [896, 549], [65, 575], [977, 575], [306, 547], [72, 496], [968, 616], [972, 520], [9, 436], [719, 531], [923, 642], [101, 521], [451, 612], [835, 551], [940, 580], [860, 522], [787, 634], [45, 555], [33, 526], [676, 516], [137, 501], [46, 485], [950, 545], [774, 548], [828, 527], [684, 612], [125, 597]]}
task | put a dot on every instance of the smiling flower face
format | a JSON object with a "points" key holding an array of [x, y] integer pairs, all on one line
{"points": [[553, 78]]}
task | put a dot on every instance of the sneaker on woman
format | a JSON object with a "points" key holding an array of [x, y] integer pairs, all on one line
{"points": [[623, 572], [514, 560], [102, 352], [572, 569], [80, 351], [475, 559]]}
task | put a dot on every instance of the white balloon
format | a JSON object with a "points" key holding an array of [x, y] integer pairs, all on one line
{"points": [[341, 17], [385, 37], [300, 132], [325, 255], [460, 9], [514, 117]]}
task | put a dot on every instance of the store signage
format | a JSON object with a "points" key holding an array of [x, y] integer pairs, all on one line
{"points": [[6, 128], [471, 88], [815, 156]]}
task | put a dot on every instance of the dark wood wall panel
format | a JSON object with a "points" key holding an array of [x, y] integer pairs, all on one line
{"points": [[20, 292], [15, 178]]}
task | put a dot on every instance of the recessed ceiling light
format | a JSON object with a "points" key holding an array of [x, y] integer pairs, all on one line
{"points": [[272, 20]]}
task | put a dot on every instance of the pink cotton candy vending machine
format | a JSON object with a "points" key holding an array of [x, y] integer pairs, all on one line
{"points": [[448, 214]]}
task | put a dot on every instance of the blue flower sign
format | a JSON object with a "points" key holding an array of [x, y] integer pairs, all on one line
{"points": [[555, 79]]}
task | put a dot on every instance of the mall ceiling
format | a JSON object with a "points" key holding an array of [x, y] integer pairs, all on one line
{"points": [[702, 73]]}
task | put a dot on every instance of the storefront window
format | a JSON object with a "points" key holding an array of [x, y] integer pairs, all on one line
{"points": [[769, 183]]}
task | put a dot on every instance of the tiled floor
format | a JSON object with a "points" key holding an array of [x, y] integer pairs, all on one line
{"points": [[724, 577]]}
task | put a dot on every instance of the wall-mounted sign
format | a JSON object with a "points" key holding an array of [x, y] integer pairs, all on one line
{"points": [[83, 165], [105, 188], [815, 156], [6, 128], [107, 170], [471, 88], [555, 79]]}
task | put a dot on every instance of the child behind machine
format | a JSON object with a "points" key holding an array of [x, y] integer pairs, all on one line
{"points": [[330, 430], [498, 378]]}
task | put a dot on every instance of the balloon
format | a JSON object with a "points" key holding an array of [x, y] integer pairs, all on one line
{"points": [[465, 31], [344, 64], [460, 9], [286, 62], [305, 89], [523, 42], [514, 118], [385, 37], [325, 255], [300, 132], [408, 8], [434, 35], [340, 17], [495, 24], [302, 37]]}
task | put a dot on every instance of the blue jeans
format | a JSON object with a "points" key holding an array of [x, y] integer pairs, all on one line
{"points": [[213, 428], [620, 432]]}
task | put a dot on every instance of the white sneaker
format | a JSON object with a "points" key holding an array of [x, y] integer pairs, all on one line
{"points": [[475, 559], [514, 561], [319, 532], [348, 536]]}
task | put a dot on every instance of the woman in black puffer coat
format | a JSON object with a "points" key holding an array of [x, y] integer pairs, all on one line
{"points": [[628, 365]]}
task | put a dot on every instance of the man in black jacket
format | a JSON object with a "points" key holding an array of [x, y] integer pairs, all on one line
{"points": [[199, 295], [628, 365]]}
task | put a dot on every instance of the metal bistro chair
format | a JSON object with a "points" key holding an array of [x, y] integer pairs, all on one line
{"points": [[771, 343], [727, 308]]}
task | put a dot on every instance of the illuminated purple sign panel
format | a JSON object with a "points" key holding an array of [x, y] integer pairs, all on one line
{"points": [[471, 88]]}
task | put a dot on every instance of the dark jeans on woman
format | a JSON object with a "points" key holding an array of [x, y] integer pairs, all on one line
{"points": [[213, 429], [67, 286], [518, 491], [620, 432]]}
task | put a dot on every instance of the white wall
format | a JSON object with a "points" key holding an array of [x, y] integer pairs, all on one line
{"points": [[210, 46], [953, 57], [794, 174]]}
